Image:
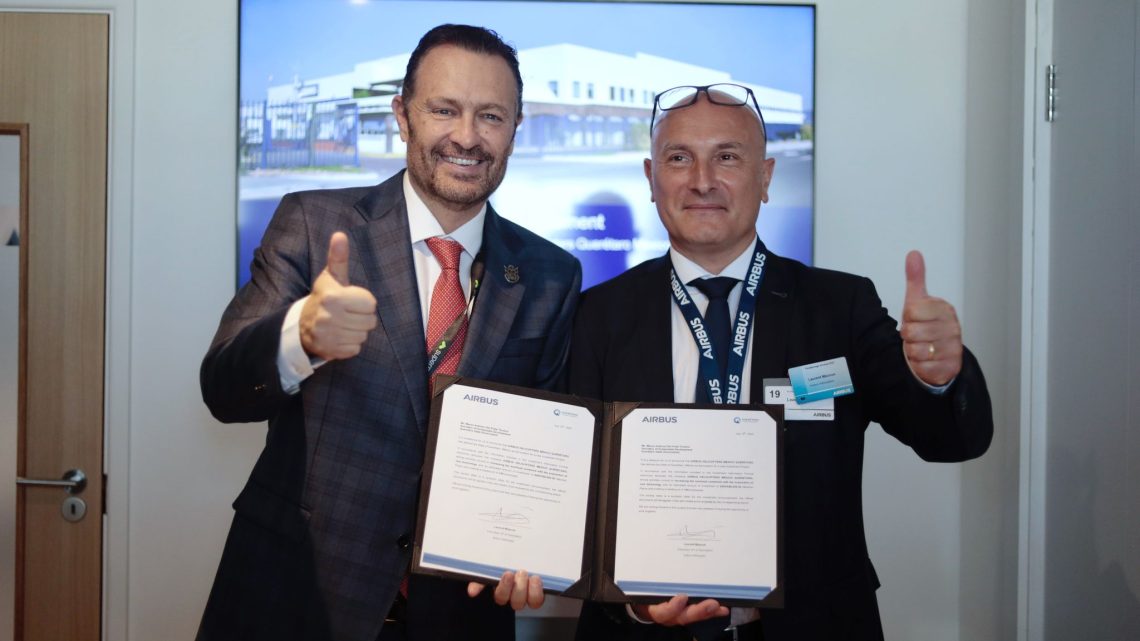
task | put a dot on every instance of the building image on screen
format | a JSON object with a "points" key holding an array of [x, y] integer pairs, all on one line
{"points": [[318, 77]]}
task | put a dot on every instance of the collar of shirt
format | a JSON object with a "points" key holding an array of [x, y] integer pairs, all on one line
{"points": [[422, 224], [688, 271], [686, 359]]}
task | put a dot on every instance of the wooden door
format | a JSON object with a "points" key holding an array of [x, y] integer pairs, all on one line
{"points": [[53, 84]]}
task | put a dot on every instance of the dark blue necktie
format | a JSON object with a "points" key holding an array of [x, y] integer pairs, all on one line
{"points": [[716, 324]]}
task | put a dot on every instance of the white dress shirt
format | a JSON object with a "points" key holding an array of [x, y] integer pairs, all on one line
{"points": [[686, 357], [294, 365]]}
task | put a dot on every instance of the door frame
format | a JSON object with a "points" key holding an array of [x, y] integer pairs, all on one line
{"points": [[22, 131], [1035, 217], [120, 251]]}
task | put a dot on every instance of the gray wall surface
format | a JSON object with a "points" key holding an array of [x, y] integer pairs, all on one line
{"points": [[1092, 493]]}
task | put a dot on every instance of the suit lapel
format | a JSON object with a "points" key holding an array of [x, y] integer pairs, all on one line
{"points": [[654, 331], [774, 306], [386, 267], [498, 300]]}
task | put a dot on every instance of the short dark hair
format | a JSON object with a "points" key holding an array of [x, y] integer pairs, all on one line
{"points": [[473, 39]]}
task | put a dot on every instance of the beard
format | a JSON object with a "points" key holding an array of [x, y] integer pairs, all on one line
{"points": [[428, 170]]}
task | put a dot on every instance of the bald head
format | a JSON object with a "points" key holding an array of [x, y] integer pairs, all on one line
{"points": [[718, 112], [708, 176]]}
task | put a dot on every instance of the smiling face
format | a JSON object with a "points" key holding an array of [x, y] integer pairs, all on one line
{"points": [[460, 127], [708, 176]]}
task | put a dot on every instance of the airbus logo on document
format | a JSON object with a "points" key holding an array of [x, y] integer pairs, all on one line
{"points": [[659, 419], [486, 400]]}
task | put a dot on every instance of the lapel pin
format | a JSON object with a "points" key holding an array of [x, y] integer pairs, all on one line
{"points": [[511, 273]]}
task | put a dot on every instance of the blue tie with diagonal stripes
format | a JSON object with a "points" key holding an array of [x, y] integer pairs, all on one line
{"points": [[716, 324]]}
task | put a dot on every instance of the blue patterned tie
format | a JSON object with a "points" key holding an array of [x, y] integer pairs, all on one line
{"points": [[716, 324]]}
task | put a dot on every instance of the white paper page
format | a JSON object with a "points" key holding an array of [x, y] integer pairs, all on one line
{"points": [[697, 503], [510, 486]]}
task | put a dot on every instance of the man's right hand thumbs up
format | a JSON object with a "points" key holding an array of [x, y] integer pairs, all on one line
{"points": [[336, 318], [337, 263], [932, 336]]}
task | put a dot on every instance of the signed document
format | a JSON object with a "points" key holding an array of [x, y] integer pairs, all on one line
{"points": [[697, 503], [510, 486], [612, 502]]}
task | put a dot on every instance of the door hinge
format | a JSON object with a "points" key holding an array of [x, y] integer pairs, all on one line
{"points": [[1050, 93]]}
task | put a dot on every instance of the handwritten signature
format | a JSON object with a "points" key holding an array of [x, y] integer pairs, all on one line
{"points": [[500, 516], [707, 534]]}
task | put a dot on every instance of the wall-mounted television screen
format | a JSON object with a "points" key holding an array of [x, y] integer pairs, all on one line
{"points": [[317, 79]]}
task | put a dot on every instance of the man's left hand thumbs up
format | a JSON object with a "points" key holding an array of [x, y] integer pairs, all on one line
{"points": [[932, 336]]}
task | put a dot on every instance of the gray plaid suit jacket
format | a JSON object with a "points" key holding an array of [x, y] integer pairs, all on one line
{"points": [[322, 531]]}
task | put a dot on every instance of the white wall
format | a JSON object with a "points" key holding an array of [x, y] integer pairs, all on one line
{"points": [[185, 469], [989, 511], [935, 175], [885, 185]]}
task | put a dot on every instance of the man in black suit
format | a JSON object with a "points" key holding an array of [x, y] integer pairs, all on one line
{"points": [[353, 293], [708, 176]]}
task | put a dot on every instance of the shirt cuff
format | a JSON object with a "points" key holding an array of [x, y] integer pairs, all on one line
{"points": [[937, 390], [633, 615], [293, 364], [742, 616]]}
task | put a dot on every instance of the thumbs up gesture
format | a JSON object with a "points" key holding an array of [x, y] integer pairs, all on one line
{"points": [[932, 337], [336, 318]]}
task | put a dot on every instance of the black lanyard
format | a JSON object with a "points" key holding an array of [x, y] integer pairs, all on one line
{"points": [[445, 343]]}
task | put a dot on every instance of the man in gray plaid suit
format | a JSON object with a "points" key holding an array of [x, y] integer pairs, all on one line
{"points": [[327, 343]]}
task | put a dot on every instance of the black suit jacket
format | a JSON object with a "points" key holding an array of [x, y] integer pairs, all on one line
{"points": [[323, 529], [622, 351]]}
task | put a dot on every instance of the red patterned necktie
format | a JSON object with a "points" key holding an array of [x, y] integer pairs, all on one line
{"points": [[447, 304]]}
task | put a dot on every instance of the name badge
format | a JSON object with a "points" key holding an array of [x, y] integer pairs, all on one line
{"points": [[778, 391], [825, 379]]}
